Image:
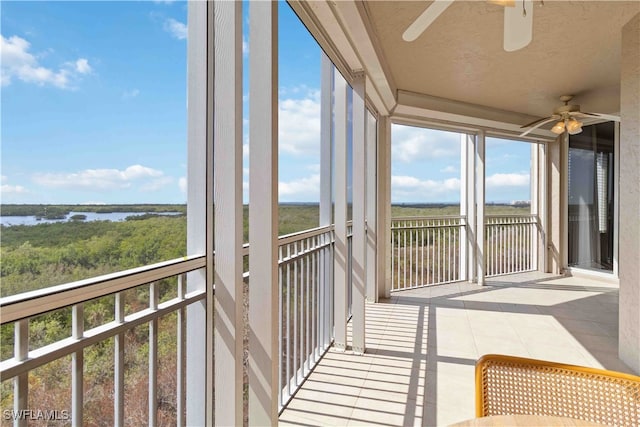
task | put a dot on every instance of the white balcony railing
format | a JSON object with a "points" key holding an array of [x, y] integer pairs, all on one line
{"points": [[306, 313], [306, 305], [510, 244], [427, 250], [19, 309]]}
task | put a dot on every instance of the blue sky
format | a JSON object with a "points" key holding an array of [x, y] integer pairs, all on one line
{"points": [[94, 111]]}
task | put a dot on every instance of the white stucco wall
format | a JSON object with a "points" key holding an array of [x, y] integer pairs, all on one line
{"points": [[629, 240]]}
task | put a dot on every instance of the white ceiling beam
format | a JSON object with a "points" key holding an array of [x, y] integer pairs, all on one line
{"points": [[413, 105], [356, 25]]}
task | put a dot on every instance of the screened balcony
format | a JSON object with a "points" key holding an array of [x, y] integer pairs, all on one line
{"points": [[379, 318]]}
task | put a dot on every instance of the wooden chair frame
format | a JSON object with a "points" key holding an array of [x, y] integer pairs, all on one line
{"points": [[509, 385]]}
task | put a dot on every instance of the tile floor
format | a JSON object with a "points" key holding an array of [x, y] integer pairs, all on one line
{"points": [[422, 346]]}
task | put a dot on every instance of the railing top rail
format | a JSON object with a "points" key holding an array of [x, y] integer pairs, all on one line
{"points": [[33, 303], [290, 238], [511, 216], [430, 218]]}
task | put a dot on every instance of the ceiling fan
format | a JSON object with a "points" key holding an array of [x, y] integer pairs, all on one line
{"points": [[567, 117], [518, 22]]}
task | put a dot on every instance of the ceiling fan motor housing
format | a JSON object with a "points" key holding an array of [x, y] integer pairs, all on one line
{"points": [[566, 109]]}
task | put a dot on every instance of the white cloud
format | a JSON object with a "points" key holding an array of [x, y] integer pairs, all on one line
{"points": [[411, 144], [127, 94], [412, 189], [82, 66], [164, 1], [299, 125], [148, 179], [299, 190], [7, 189], [449, 169], [176, 28], [18, 62], [12, 189], [245, 46], [508, 180], [182, 184]]}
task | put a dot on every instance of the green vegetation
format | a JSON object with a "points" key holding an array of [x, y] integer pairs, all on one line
{"points": [[34, 257], [444, 210]]}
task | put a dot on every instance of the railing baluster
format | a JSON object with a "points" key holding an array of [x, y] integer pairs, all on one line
{"points": [[288, 377], [422, 244], [439, 260], [153, 356], [21, 382], [118, 400], [280, 329], [77, 365], [308, 327], [314, 304], [449, 259], [404, 260], [303, 313], [432, 259], [296, 316], [393, 255], [181, 353]]}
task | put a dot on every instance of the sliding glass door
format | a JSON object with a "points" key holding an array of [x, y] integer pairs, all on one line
{"points": [[591, 187]]}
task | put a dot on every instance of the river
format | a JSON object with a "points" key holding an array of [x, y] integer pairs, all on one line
{"points": [[91, 216]]}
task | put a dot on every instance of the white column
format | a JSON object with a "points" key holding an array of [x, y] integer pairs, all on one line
{"points": [[464, 191], [326, 195], [616, 198], [227, 193], [383, 212], [263, 214], [534, 191], [199, 355], [554, 206], [471, 207], [371, 200], [542, 197], [629, 158], [564, 204], [340, 214], [480, 149], [358, 254]]}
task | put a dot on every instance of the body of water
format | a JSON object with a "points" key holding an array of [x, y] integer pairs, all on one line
{"points": [[91, 216]]}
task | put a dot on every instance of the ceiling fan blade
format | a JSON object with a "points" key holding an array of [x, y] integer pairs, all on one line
{"points": [[535, 122], [423, 21], [518, 26], [602, 116], [540, 123]]}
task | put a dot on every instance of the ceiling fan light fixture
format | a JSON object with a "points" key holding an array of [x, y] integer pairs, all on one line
{"points": [[558, 128], [574, 127], [504, 3]]}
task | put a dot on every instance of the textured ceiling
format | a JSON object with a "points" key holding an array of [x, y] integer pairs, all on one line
{"points": [[575, 50]]}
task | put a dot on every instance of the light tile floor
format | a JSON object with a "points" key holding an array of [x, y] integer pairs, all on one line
{"points": [[422, 346]]}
